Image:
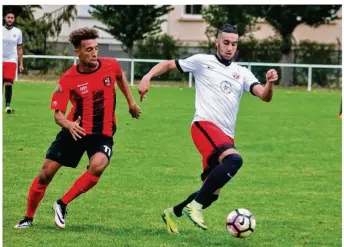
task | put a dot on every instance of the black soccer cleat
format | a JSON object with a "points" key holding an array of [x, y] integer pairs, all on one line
{"points": [[24, 223]]}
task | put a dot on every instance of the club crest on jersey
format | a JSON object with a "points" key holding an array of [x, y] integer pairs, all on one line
{"points": [[226, 87], [236, 75], [107, 81], [14, 35]]}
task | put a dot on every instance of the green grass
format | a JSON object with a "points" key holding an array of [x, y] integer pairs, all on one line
{"points": [[290, 180]]}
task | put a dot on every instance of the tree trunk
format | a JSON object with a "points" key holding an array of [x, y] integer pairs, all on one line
{"points": [[287, 77], [130, 54], [45, 43]]}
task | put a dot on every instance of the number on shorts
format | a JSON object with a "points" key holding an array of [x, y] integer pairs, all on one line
{"points": [[107, 150]]}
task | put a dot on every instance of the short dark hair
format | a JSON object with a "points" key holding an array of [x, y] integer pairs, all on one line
{"points": [[9, 11], [80, 34], [227, 28]]}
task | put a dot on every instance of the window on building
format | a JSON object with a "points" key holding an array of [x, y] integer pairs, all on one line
{"points": [[192, 9]]}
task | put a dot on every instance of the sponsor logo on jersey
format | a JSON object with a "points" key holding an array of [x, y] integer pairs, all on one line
{"points": [[83, 88], [107, 81]]}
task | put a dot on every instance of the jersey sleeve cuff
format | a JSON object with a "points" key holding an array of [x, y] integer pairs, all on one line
{"points": [[178, 66], [119, 76], [252, 86], [54, 108], [20, 44]]}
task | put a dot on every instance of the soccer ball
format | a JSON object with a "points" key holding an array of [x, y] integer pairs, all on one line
{"points": [[241, 223]]}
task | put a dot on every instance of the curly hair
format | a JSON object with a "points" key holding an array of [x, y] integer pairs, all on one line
{"points": [[80, 34]]}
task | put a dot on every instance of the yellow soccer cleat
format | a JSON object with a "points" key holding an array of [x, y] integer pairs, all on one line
{"points": [[194, 212], [167, 216]]}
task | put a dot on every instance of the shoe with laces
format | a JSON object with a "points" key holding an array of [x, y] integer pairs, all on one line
{"points": [[194, 212], [60, 215], [24, 223]]}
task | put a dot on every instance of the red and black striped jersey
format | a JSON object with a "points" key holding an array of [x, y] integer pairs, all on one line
{"points": [[92, 95]]}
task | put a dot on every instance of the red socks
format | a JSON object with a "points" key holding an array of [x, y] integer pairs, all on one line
{"points": [[85, 182], [35, 195], [36, 192]]}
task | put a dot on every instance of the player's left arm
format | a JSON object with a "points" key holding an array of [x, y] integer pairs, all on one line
{"points": [[265, 92], [123, 85], [20, 52]]}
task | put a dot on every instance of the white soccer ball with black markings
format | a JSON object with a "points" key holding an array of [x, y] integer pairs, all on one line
{"points": [[241, 223]]}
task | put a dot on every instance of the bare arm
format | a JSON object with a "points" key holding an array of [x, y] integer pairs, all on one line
{"points": [[157, 70], [20, 57], [73, 127], [161, 68], [265, 92], [123, 85]]}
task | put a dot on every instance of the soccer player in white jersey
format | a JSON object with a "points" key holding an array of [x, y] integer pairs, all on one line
{"points": [[219, 84], [12, 51]]}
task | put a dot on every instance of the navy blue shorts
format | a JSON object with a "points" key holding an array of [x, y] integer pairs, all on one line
{"points": [[68, 152]]}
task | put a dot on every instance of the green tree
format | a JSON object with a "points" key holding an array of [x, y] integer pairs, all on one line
{"points": [[50, 24], [37, 32], [23, 11], [217, 15], [158, 47], [285, 18], [130, 23]]}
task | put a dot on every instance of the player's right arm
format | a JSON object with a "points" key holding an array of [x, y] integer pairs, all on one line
{"points": [[157, 70], [59, 103], [73, 127], [189, 64]]}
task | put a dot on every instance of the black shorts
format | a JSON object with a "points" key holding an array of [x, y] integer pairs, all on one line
{"points": [[68, 152]]}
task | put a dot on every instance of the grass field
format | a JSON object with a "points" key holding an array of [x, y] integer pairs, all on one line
{"points": [[290, 180]]}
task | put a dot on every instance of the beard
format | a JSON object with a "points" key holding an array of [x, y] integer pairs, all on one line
{"points": [[9, 25]]}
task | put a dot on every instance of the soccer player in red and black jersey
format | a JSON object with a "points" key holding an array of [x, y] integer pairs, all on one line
{"points": [[89, 126]]}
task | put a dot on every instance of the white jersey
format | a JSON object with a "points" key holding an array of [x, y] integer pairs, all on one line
{"points": [[11, 38], [219, 89]]}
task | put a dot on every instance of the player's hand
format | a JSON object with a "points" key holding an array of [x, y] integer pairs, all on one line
{"points": [[21, 68], [135, 111], [76, 130], [143, 87], [271, 75]]}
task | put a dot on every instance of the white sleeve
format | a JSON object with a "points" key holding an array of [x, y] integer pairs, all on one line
{"points": [[188, 64], [20, 38], [249, 80]]}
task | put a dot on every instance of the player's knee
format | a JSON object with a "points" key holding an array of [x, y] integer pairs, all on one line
{"points": [[234, 161], [227, 152], [98, 163], [8, 83], [45, 176], [48, 171], [97, 168]]}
